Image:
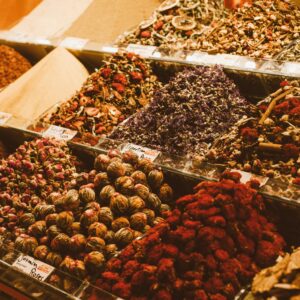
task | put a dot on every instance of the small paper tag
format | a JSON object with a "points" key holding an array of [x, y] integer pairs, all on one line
{"points": [[145, 51], [73, 43], [142, 152], [249, 176], [4, 117], [33, 267], [59, 133]]}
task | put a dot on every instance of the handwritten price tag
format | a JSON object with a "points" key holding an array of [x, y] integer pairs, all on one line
{"points": [[59, 133], [145, 51], [249, 176], [33, 267], [4, 117], [142, 152]]}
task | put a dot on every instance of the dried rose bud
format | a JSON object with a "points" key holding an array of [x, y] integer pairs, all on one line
{"points": [[125, 185], [109, 237], [60, 243], [114, 153], [111, 250], [124, 236], [87, 195], [53, 197], [41, 252], [142, 191], [105, 216], [37, 229], [150, 215], [26, 244], [138, 221], [119, 204], [26, 219], [101, 162], [77, 243], [65, 220], [166, 194], [155, 179], [106, 194], [130, 157], [136, 204], [97, 229], [88, 217], [119, 223], [101, 180], [54, 259], [153, 202], [95, 244], [94, 261], [116, 169], [75, 228], [139, 177], [53, 231], [51, 219], [44, 240]]}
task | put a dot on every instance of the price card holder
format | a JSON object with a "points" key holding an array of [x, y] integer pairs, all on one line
{"points": [[249, 176], [59, 133], [142, 152], [203, 58], [73, 43], [33, 267], [4, 117], [227, 60], [291, 68], [144, 51]]}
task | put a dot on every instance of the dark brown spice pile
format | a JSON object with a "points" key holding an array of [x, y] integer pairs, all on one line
{"points": [[12, 65], [197, 106]]}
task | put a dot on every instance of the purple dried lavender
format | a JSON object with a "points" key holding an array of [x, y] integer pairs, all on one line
{"points": [[196, 107]]}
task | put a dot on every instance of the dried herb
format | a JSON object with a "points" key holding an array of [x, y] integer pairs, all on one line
{"points": [[12, 65], [211, 245], [261, 29], [123, 85], [176, 24], [197, 106]]}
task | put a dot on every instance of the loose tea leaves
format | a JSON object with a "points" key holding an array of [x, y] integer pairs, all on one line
{"points": [[12, 65], [123, 85], [186, 115]]}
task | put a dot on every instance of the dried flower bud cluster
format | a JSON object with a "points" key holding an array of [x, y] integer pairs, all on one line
{"points": [[118, 89], [268, 145], [210, 245], [191, 111], [261, 29], [280, 281], [79, 229], [12, 65], [176, 23]]}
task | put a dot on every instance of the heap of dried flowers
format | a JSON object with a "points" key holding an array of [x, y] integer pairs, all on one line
{"points": [[213, 243]]}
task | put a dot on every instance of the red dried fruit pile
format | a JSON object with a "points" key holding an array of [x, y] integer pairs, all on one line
{"points": [[118, 89], [270, 146], [212, 244]]}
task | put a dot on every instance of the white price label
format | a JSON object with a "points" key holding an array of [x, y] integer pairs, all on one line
{"points": [[142, 152], [33, 267], [73, 43], [145, 51], [59, 133], [249, 176], [4, 117]]}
